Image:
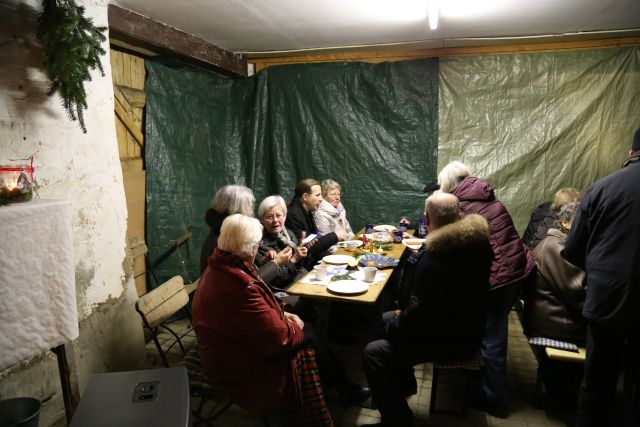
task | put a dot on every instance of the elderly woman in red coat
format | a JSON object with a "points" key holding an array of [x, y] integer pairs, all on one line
{"points": [[252, 351], [512, 264]]}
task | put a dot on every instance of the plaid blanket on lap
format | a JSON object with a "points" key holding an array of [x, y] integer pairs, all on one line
{"points": [[314, 408], [548, 342]]}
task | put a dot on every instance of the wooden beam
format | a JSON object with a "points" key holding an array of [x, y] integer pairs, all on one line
{"points": [[382, 55], [135, 97], [121, 112], [139, 30]]}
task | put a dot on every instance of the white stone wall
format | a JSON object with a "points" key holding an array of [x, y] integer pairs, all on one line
{"points": [[82, 168]]}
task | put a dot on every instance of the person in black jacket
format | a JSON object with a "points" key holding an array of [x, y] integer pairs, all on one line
{"points": [[605, 242], [229, 200], [445, 315], [306, 199]]}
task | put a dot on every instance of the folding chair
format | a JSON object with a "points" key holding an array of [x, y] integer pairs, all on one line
{"points": [[157, 306]]}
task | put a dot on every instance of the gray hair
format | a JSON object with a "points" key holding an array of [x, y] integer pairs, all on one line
{"points": [[328, 185], [567, 213], [269, 203], [442, 208], [451, 175], [233, 199], [240, 235]]}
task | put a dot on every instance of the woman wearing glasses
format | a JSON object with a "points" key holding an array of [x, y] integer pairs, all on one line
{"points": [[272, 213]]}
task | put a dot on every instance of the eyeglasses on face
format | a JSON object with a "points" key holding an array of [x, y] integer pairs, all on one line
{"points": [[271, 217]]}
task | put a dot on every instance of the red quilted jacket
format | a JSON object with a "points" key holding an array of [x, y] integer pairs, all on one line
{"points": [[513, 260]]}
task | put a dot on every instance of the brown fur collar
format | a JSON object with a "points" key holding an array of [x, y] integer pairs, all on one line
{"points": [[470, 229]]}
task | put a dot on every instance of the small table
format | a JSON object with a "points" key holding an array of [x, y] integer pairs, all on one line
{"points": [[311, 290]]}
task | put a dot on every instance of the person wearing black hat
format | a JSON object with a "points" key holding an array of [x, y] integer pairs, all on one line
{"points": [[604, 241], [429, 189]]}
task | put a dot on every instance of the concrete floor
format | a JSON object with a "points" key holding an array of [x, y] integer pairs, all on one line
{"points": [[521, 380]]}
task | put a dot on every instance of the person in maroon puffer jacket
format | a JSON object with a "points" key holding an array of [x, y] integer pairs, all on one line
{"points": [[512, 264]]}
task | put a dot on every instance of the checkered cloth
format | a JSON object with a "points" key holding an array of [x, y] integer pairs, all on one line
{"points": [[314, 408], [548, 342]]}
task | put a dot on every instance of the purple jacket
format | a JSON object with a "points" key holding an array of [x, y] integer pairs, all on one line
{"points": [[513, 260]]}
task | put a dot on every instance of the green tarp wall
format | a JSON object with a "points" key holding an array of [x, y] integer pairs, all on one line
{"points": [[528, 123], [534, 123], [371, 127]]}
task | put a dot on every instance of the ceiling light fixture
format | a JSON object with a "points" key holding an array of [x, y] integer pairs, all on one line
{"points": [[433, 11]]}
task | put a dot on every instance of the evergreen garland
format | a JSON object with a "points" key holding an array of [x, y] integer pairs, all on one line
{"points": [[72, 46]]}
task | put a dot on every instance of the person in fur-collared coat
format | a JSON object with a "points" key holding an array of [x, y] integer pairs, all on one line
{"points": [[444, 320]]}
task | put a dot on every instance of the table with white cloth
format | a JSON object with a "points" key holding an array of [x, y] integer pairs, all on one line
{"points": [[38, 310]]}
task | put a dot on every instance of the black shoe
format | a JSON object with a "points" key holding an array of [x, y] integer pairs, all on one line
{"points": [[494, 409], [352, 394]]}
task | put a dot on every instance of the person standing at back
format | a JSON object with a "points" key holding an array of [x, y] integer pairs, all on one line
{"points": [[605, 242], [512, 264]]}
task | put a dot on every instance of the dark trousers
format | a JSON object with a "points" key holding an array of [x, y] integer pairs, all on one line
{"points": [[607, 348], [389, 370]]}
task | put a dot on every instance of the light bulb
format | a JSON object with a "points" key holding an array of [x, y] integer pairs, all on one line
{"points": [[433, 12]]}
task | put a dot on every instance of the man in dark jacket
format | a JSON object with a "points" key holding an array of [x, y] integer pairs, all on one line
{"points": [[306, 199], [444, 320], [605, 242]]}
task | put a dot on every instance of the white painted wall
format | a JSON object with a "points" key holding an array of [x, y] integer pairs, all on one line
{"points": [[82, 168]]}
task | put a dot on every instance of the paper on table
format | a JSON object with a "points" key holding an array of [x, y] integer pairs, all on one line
{"points": [[332, 270]]}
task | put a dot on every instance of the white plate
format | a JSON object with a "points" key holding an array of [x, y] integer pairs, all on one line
{"points": [[338, 259], [414, 244], [348, 287], [345, 244], [384, 228]]}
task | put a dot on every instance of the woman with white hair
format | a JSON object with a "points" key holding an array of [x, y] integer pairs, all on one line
{"points": [[236, 199], [512, 264], [253, 352], [331, 216], [272, 213]]}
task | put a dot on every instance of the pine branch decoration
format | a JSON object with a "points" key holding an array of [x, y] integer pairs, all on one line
{"points": [[72, 47]]}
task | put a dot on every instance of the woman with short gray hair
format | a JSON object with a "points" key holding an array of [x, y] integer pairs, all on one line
{"points": [[451, 175], [240, 235], [229, 200], [272, 213]]}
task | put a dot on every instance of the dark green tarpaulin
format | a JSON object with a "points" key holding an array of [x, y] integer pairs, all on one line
{"points": [[371, 127], [534, 123]]}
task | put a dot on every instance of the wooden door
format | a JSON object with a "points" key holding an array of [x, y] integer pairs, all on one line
{"points": [[129, 99]]}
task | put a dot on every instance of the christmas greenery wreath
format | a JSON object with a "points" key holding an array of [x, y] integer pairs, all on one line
{"points": [[72, 47]]}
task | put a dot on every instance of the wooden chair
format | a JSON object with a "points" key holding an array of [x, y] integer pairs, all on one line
{"points": [[157, 306], [474, 363], [553, 354]]}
